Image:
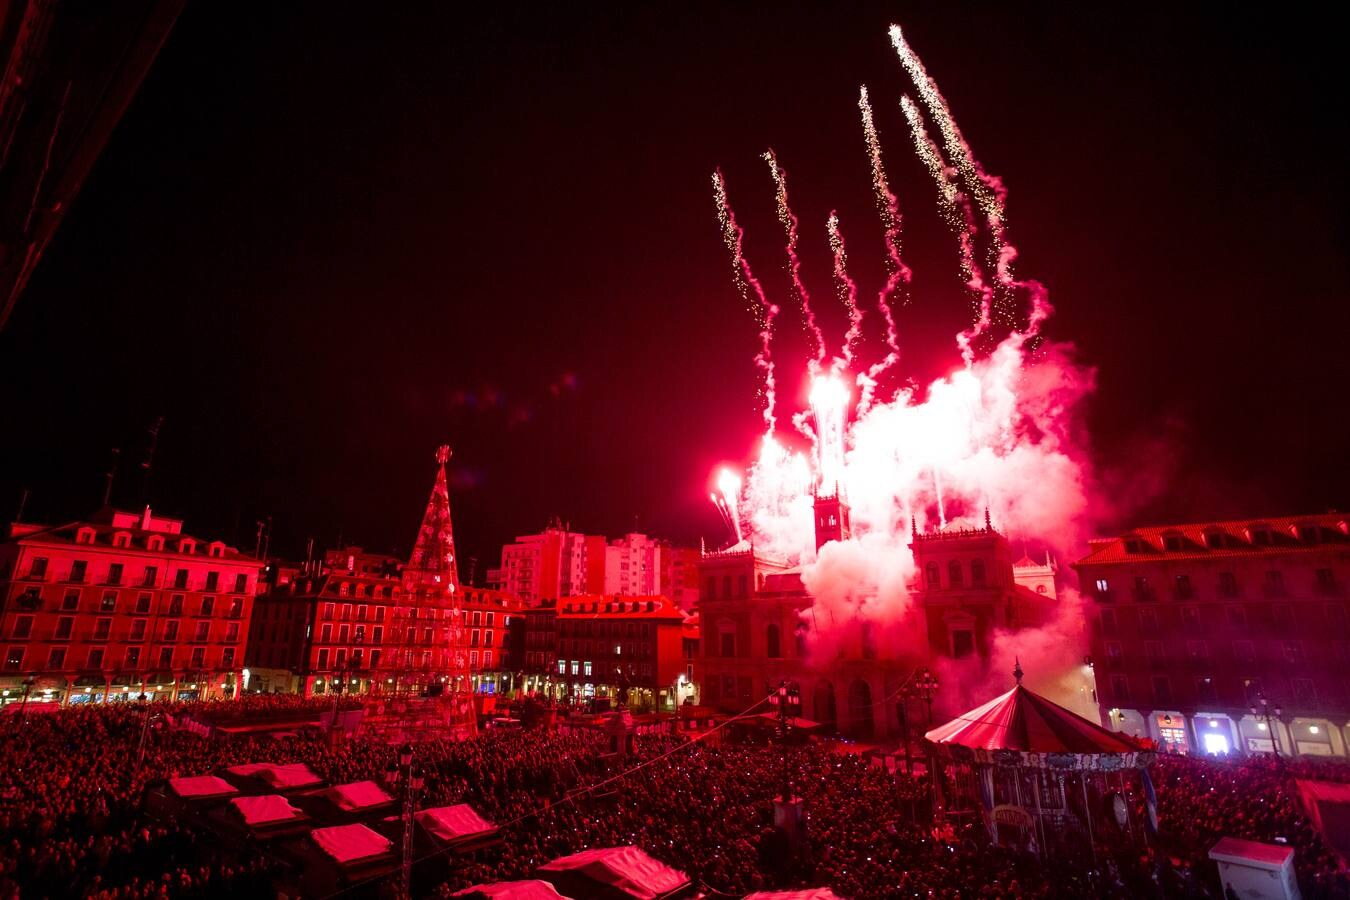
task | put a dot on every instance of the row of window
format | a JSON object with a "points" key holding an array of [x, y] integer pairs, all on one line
{"points": [[603, 648], [79, 573], [955, 575], [65, 629], [1304, 691], [1291, 651], [1281, 617], [585, 669], [131, 660], [603, 628], [108, 602], [1226, 586]]}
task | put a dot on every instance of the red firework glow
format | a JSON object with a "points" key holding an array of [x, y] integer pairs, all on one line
{"points": [[994, 435]]}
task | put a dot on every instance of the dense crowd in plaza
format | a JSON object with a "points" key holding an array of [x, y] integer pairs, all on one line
{"points": [[71, 822]]}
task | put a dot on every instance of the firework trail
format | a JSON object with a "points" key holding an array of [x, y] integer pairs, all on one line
{"points": [[847, 289], [954, 207], [896, 270], [728, 499], [763, 310], [989, 192], [794, 264]]}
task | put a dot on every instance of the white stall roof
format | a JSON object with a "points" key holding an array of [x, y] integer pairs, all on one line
{"points": [[1251, 853], [350, 843], [454, 823], [199, 786]]}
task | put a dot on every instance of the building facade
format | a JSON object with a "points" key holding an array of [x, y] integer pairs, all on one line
{"points": [[620, 648], [119, 605], [1199, 631], [544, 566], [757, 620]]}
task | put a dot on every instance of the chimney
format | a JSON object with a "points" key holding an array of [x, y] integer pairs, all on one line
{"points": [[145, 518]]}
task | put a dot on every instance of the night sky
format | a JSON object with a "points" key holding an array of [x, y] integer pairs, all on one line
{"points": [[324, 240]]}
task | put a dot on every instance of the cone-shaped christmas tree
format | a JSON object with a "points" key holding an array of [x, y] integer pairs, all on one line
{"points": [[432, 569]]}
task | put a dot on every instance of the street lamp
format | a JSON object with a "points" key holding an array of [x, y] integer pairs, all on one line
{"points": [[412, 786], [23, 705], [1266, 710], [902, 711], [787, 702], [927, 687]]}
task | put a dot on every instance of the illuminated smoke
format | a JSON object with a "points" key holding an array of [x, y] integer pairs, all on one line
{"points": [[763, 310], [847, 290], [897, 273], [829, 407], [789, 222]]}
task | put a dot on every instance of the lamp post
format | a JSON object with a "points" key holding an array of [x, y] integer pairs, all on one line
{"points": [[927, 687], [412, 786], [1267, 710], [902, 711], [23, 704], [787, 702]]}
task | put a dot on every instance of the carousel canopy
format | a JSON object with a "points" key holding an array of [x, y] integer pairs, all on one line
{"points": [[1024, 728]]}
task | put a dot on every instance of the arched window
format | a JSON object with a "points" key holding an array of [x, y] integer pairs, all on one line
{"points": [[726, 587], [712, 588], [977, 573], [771, 642], [934, 576], [954, 574]]}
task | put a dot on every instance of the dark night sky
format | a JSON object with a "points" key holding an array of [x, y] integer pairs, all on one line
{"points": [[322, 241]]}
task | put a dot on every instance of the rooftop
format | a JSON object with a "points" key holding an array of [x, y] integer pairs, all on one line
{"points": [[1224, 539]]}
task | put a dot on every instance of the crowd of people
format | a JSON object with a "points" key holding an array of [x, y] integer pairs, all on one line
{"points": [[72, 822]]}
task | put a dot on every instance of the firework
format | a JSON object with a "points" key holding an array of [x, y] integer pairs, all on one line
{"points": [[746, 282], [789, 222], [847, 290], [897, 273]]}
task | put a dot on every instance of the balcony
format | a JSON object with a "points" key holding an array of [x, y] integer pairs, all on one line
{"points": [[44, 575]]}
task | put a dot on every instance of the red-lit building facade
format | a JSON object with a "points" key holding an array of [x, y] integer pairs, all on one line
{"points": [[613, 647], [122, 604], [1192, 626]]}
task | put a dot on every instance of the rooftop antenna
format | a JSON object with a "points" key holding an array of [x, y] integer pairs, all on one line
{"points": [[110, 476], [1017, 670], [23, 503], [257, 544], [147, 466]]}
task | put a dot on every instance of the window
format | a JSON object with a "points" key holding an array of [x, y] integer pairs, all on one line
{"points": [[1173, 543], [487, 638], [1113, 654], [473, 661], [241, 583], [133, 658], [1148, 621], [95, 658], [23, 627], [726, 587], [711, 588], [150, 576], [203, 631], [934, 576], [1103, 588], [954, 576], [38, 569], [977, 573], [137, 630], [1228, 586], [1261, 537], [109, 602], [71, 601], [115, 573], [78, 570], [101, 629], [142, 603], [56, 659], [64, 626], [1162, 690], [562, 664], [236, 607], [586, 668], [1190, 617], [212, 581], [1293, 652], [344, 631], [176, 605], [742, 586], [1335, 613], [1142, 590], [728, 639], [326, 634], [1204, 690], [1214, 540], [1242, 651], [171, 630], [361, 613], [576, 667], [1120, 688], [379, 634], [1305, 691], [1275, 583], [346, 612], [1134, 545], [489, 619], [477, 617], [771, 642], [14, 659], [1197, 650], [474, 637], [198, 657], [487, 659], [166, 657], [1282, 614], [323, 660], [1183, 587], [1153, 650], [227, 658], [1237, 616], [1108, 621], [180, 579], [375, 659]]}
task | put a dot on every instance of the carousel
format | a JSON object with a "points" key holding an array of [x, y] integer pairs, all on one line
{"points": [[1041, 778]]}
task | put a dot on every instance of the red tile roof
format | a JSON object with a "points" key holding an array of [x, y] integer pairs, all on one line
{"points": [[1237, 537]]}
